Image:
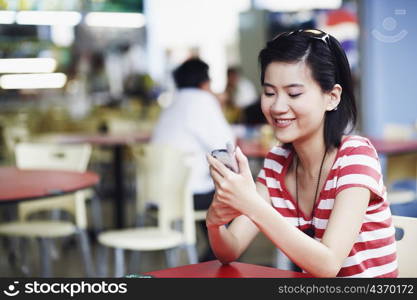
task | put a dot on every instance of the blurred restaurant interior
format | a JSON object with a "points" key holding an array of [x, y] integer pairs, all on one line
{"points": [[98, 74]]}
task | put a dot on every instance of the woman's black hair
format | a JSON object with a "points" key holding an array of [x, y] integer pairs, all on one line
{"points": [[191, 73], [329, 66]]}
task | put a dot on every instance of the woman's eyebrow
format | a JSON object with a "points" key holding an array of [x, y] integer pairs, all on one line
{"points": [[265, 84], [294, 85], [291, 85]]}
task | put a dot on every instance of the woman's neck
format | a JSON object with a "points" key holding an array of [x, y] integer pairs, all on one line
{"points": [[310, 155]]}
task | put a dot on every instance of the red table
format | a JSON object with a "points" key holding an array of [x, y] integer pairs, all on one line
{"points": [[102, 139], [18, 185], [215, 269], [117, 142]]}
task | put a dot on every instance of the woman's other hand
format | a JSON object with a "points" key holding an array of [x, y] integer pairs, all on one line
{"points": [[220, 214], [234, 190]]}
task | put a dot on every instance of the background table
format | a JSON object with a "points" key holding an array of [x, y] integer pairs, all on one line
{"points": [[385, 149], [389, 149], [117, 143], [253, 148], [18, 185], [215, 269]]}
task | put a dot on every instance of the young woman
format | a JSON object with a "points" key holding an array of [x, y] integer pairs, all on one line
{"points": [[320, 196]]}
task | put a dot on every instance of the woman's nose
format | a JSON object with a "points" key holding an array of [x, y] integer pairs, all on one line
{"points": [[280, 105]]}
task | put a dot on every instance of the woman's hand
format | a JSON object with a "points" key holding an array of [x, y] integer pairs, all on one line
{"points": [[234, 190], [220, 214]]}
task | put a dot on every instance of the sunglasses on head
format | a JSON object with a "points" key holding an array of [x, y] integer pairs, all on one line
{"points": [[310, 33]]}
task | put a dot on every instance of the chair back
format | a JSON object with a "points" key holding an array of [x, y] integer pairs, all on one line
{"points": [[55, 157], [14, 134], [163, 179], [406, 246]]}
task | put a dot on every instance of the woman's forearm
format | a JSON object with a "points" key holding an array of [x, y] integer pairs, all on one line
{"points": [[223, 243], [311, 255]]}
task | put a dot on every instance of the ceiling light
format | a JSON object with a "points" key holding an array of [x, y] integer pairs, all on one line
{"points": [[297, 5], [69, 18], [109, 19], [33, 81]]}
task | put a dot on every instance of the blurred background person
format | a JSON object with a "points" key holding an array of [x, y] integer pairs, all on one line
{"points": [[241, 100], [195, 123], [240, 91]]}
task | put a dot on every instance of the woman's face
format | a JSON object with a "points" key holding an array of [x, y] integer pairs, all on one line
{"points": [[293, 103]]}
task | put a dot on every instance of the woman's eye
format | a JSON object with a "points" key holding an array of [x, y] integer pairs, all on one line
{"points": [[269, 94], [294, 95]]}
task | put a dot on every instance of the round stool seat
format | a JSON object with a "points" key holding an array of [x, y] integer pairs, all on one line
{"points": [[141, 239]]}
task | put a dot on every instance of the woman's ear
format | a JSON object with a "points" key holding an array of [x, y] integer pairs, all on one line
{"points": [[334, 97]]}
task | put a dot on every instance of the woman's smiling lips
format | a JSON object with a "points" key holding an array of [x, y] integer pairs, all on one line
{"points": [[282, 123]]}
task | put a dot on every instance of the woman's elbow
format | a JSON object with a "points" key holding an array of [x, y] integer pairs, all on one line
{"points": [[226, 255], [327, 270], [328, 273], [226, 259]]}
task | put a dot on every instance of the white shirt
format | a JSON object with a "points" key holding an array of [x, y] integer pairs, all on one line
{"points": [[194, 123]]}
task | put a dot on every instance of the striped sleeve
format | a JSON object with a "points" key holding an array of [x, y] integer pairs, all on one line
{"points": [[272, 166], [360, 167], [261, 177], [262, 174]]}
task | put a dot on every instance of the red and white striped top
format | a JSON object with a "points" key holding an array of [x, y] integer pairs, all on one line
{"points": [[356, 165]]}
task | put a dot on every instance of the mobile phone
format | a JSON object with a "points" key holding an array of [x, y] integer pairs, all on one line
{"points": [[227, 157]]}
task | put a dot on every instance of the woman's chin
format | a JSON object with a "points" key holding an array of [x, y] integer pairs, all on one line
{"points": [[284, 138]]}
